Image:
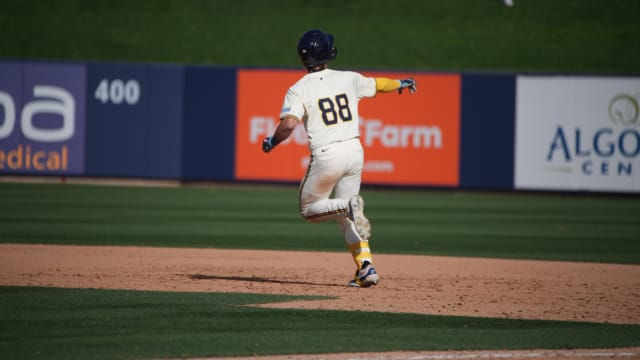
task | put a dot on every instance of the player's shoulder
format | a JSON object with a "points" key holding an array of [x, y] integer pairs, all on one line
{"points": [[300, 83], [349, 73], [355, 76], [309, 78]]}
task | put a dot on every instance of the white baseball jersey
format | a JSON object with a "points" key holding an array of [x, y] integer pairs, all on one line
{"points": [[326, 102]]}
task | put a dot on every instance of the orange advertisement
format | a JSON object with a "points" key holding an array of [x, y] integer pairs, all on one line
{"points": [[408, 139]]}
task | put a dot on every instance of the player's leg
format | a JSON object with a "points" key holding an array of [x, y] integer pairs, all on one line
{"points": [[348, 188], [366, 274], [324, 171], [354, 225]]}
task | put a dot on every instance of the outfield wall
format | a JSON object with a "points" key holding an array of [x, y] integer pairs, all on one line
{"points": [[499, 131]]}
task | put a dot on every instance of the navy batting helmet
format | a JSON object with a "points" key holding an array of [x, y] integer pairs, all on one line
{"points": [[316, 48]]}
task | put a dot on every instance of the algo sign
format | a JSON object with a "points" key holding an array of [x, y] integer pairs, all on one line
{"points": [[408, 139]]}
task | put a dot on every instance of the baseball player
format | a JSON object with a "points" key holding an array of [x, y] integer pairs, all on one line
{"points": [[326, 102]]}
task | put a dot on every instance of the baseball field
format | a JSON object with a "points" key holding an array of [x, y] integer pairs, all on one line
{"points": [[93, 271], [151, 270]]}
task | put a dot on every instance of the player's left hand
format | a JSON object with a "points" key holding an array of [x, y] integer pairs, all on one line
{"points": [[267, 144], [409, 83]]}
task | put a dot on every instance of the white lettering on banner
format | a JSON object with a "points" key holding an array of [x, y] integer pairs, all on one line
{"points": [[372, 131], [378, 166], [370, 166], [54, 100], [6, 101], [304, 162], [259, 127], [263, 126], [400, 136], [116, 91]]}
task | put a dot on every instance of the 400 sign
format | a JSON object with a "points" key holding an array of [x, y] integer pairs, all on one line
{"points": [[118, 91]]}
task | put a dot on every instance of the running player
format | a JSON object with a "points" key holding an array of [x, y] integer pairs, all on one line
{"points": [[326, 102]]}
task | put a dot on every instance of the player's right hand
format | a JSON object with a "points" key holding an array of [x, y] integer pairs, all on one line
{"points": [[267, 144], [409, 83]]}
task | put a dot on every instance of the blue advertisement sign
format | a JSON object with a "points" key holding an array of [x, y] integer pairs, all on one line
{"points": [[134, 120], [42, 118], [165, 122], [117, 119], [209, 123]]}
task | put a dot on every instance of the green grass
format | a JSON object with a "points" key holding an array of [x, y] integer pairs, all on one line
{"points": [[541, 35], [79, 324], [578, 228], [550, 227], [50, 323]]}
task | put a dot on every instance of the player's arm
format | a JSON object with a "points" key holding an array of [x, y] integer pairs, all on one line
{"points": [[388, 85], [282, 133]]}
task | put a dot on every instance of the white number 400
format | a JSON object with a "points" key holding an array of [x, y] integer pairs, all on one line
{"points": [[116, 91]]}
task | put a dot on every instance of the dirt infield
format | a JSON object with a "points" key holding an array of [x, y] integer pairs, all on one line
{"points": [[413, 284], [606, 293]]}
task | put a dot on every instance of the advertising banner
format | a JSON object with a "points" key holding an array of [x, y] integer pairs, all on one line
{"points": [[42, 118], [408, 139], [578, 133]]}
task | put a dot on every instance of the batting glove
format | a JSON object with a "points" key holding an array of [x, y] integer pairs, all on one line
{"points": [[267, 144], [409, 83]]}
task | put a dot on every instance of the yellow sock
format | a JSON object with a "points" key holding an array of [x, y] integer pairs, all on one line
{"points": [[361, 252]]}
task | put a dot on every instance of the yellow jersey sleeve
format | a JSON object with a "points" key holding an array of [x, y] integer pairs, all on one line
{"points": [[387, 85]]}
